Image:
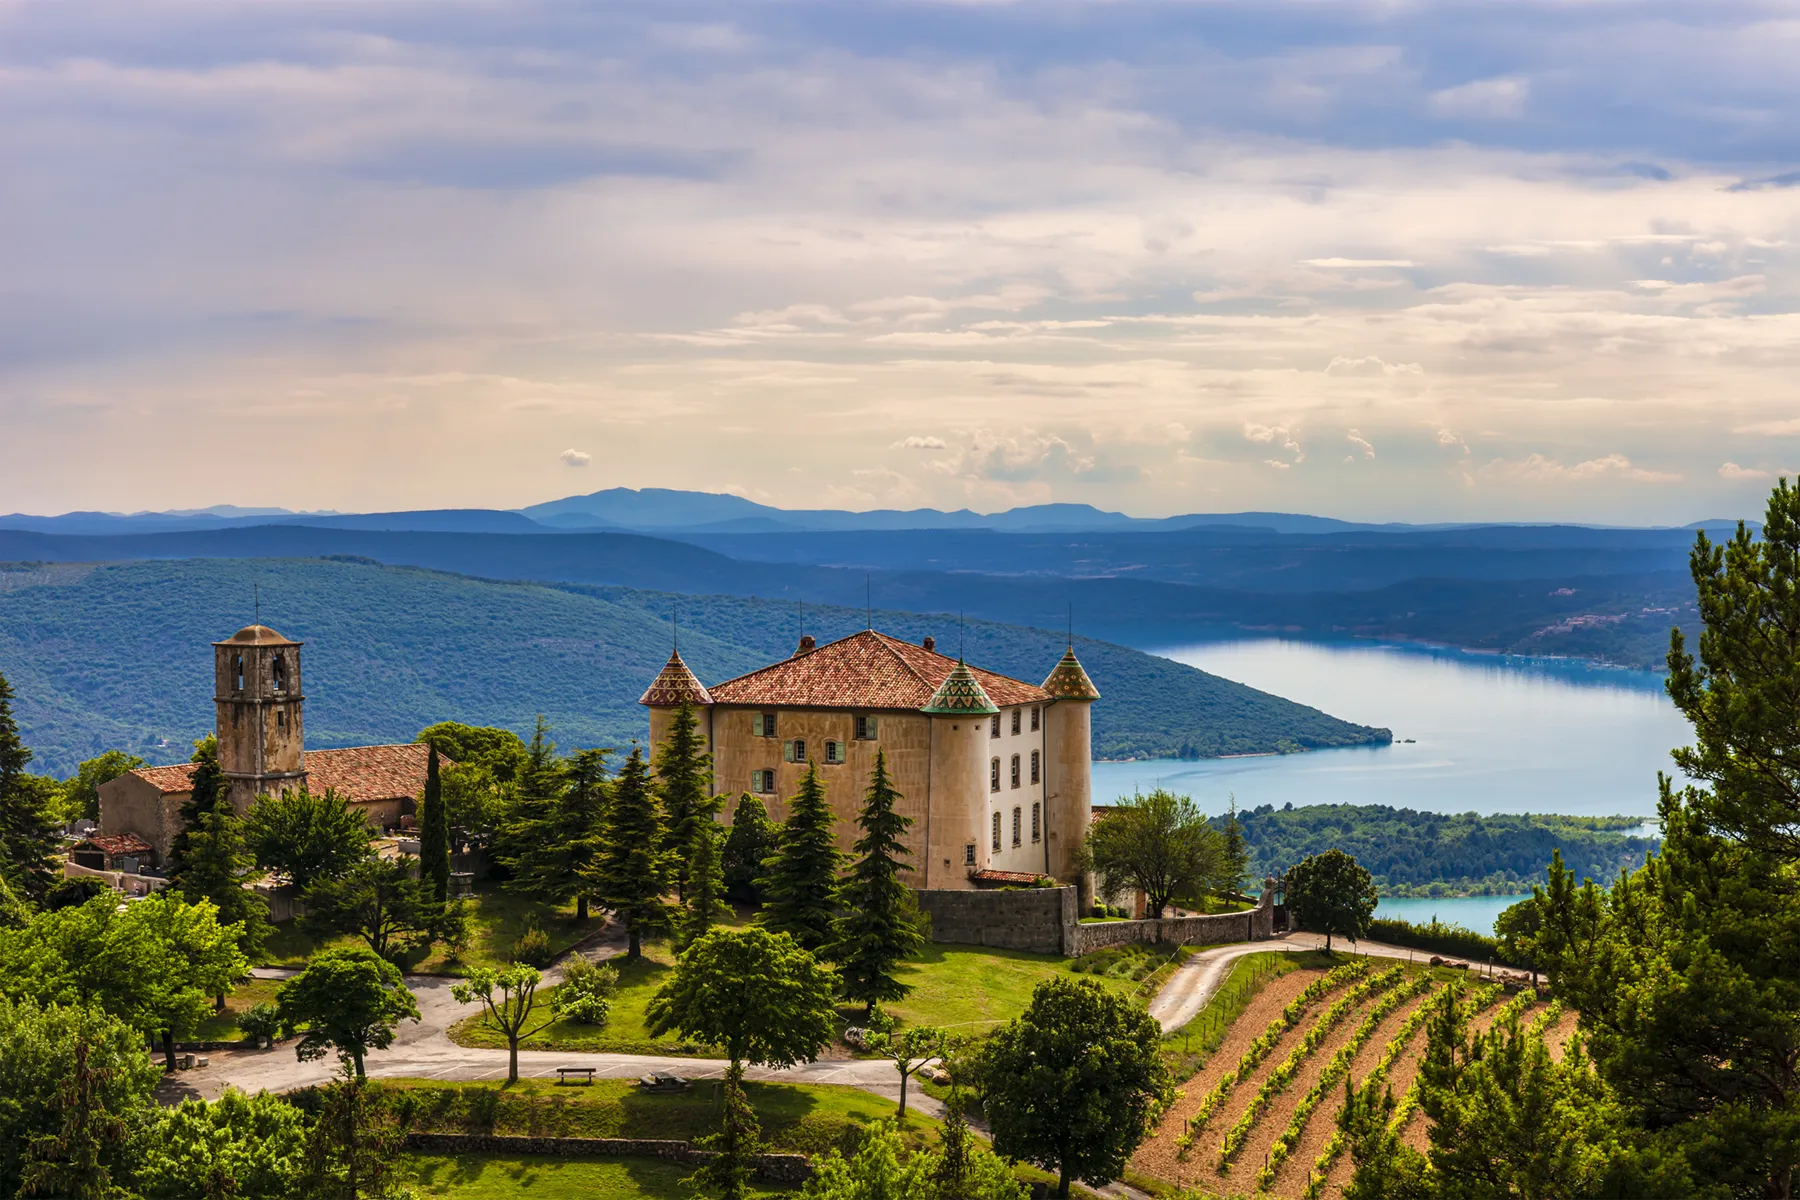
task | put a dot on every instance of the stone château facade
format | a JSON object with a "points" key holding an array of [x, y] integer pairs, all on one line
{"points": [[995, 772]]}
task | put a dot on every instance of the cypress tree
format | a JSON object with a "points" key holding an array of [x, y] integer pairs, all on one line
{"points": [[800, 885], [434, 834], [204, 794], [752, 839], [631, 871], [28, 834], [683, 780], [876, 933], [706, 884]]}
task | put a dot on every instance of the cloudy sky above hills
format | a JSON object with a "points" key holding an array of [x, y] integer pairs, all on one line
{"points": [[1378, 259]]}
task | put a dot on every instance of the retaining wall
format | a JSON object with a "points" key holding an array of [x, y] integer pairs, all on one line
{"points": [[1254, 925], [1036, 919], [776, 1168]]}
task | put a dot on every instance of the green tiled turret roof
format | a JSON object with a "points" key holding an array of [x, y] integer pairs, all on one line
{"points": [[1069, 682], [960, 695]]}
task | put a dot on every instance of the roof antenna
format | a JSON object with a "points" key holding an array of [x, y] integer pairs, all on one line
{"points": [[256, 591], [959, 636], [1071, 624], [675, 625], [868, 603]]}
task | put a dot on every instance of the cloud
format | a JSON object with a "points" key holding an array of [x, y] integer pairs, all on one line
{"points": [[1782, 428], [1356, 439], [1372, 365], [1448, 439], [1540, 468], [1265, 435], [1736, 473], [1500, 98], [1787, 179], [575, 458], [1356, 263], [915, 442]]}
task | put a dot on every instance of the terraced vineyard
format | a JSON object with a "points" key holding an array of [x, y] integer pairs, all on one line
{"points": [[1259, 1115]]}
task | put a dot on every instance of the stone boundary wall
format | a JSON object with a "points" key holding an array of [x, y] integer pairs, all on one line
{"points": [[1035, 919], [776, 1168], [1255, 925]]}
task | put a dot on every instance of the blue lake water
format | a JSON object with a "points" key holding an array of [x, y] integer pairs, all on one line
{"points": [[1491, 734], [1471, 912]]}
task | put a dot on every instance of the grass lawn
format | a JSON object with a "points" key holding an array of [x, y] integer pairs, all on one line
{"points": [[495, 921], [223, 1027], [494, 1177], [973, 988]]}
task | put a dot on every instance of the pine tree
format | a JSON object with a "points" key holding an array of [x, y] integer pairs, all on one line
{"points": [[204, 793], [28, 834], [1237, 850], [631, 871], [800, 887], [434, 834], [875, 933], [752, 840], [683, 775], [706, 885], [531, 832], [219, 863], [583, 820]]}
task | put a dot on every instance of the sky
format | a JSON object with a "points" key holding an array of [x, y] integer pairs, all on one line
{"points": [[1377, 259]]}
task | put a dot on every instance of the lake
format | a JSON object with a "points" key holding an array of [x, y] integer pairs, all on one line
{"points": [[1471, 912], [1490, 734]]}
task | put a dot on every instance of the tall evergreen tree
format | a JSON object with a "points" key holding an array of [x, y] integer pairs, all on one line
{"points": [[1237, 849], [752, 839], [434, 834], [204, 794], [631, 872], [801, 881], [530, 831], [28, 834], [876, 933], [706, 885], [683, 780], [219, 863], [583, 820]]}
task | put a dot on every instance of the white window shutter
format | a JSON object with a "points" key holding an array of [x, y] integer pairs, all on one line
{"points": [[787, 751], [872, 727]]}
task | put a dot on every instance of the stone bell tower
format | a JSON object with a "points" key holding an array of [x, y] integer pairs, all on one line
{"points": [[258, 697]]}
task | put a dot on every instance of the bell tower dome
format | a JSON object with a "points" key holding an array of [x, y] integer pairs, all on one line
{"points": [[258, 699]]}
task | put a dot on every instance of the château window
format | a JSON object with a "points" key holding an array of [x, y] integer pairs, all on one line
{"points": [[996, 833], [994, 726], [794, 750], [1017, 714], [240, 672], [834, 752], [1037, 812], [1034, 718], [1015, 771], [762, 781], [280, 719], [1034, 766], [1015, 825], [994, 775], [969, 855], [865, 729], [762, 724]]}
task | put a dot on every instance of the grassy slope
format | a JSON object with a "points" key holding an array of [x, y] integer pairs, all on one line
{"points": [[119, 656], [495, 1177], [496, 919]]}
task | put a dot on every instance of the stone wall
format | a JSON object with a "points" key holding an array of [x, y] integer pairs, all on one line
{"points": [[1255, 925], [776, 1168], [1036, 919]]}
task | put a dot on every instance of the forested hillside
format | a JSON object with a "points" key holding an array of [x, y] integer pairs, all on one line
{"points": [[118, 656], [1427, 853]]}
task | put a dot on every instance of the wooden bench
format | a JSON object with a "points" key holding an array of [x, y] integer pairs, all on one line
{"points": [[563, 1073]]}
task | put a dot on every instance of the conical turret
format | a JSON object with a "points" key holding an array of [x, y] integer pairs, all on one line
{"points": [[1067, 681], [960, 695], [674, 684]]}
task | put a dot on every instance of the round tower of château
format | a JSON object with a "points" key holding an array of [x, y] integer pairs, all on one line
{"points": [[258, 700], [959, 712], [1069, 755], [674, 684]]}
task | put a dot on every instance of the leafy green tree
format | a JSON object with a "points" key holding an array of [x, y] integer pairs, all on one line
{"points": [[347, 999], [219, 864], [356, 1145], [204, 794], [683, 782], [73, 1163], [757, 994], [874, 932], [434, 834], [800, 880], [13, 911], [306, 837], [238, 1147], [1161, 845], [909, 1049], [882, 1168], [378, 901], [1236, 848], [1330, 893], [28, 832], [706, 884], [752, 839], [508, 998], [1076, 1083], [81, 795], [74, 891], [1517, 930], [501, 751], [38, 1056], [631, 872]]}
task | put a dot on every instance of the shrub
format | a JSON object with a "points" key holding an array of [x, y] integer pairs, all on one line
{"points": [[260, 1020], [585, 996], [1439, 938], [533, 948]]}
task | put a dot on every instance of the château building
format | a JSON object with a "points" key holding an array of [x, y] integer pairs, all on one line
{"points": [[259, 716], [994, 771]]}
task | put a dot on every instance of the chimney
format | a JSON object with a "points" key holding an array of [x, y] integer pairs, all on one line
{"points": [[807, 645], [930, 642]]}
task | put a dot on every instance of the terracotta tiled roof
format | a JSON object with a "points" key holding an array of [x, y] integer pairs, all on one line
{"points": [[673, 685], [115, 844], [864, 670], [1068, 681], [1003, 878], [360, 774]]}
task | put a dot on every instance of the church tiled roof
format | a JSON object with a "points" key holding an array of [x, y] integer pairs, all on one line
{"points": [[360, 774], [674, 684], [865, 670], [1068, 681]]}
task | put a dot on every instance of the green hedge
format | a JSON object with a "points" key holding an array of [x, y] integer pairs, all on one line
{"points": [[1452, 941]]}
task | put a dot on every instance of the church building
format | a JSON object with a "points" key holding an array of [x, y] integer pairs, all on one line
{"points": [[258, 704], [994, 771]]}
